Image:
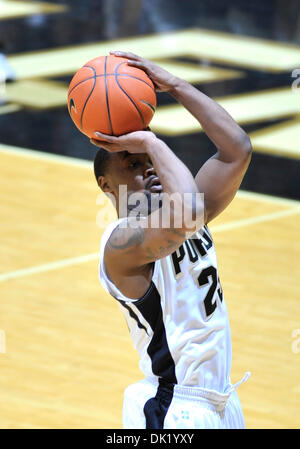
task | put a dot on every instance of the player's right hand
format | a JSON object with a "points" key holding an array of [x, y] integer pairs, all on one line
{"points": [[161, 78]]}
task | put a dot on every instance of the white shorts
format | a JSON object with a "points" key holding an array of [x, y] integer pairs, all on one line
{"points": [[152, 405]]}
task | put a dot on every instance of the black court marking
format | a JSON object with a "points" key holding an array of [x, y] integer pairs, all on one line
{"points": [[86, 101], [123, 90], [110, 74], [107, 100]]}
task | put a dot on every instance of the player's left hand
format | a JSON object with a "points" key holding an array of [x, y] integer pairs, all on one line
{"points": [[135, 142], [161, 78]]}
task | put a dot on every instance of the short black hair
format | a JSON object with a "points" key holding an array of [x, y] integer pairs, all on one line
{"points": [[101, 160]]}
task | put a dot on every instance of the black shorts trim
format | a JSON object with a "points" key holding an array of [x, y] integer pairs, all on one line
{"points": [[156, 409]]}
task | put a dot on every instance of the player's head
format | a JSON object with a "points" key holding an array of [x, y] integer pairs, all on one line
{"points": [[135, 171]]}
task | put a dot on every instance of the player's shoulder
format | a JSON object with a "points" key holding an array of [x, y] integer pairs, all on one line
{"points": [[121, 249]]}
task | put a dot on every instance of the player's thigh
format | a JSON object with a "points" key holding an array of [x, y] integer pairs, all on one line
{"points": [[233, 413], [135, 398], [191, 414], [202, 414]]}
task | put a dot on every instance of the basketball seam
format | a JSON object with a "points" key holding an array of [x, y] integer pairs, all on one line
{"points": [[107, 100], [124, 91], [86, 101], [149, 105], [109, 74]]}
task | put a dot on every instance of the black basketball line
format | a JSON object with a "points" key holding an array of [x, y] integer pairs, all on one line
{"points": [[109, 74], [86, 79], [123, 90], [107, 102], [136, 78], [149, 105], [83, 109]]}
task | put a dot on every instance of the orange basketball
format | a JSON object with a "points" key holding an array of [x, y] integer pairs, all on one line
{"points": [[109, 96]]}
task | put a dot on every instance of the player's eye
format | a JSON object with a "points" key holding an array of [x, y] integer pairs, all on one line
{"points": [[134, 164]]}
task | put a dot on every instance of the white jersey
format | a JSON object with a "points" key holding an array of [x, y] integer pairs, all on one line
{"points": [[180, 327]]}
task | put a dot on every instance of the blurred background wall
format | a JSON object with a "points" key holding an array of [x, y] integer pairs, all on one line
{"points": [[77, 22]]}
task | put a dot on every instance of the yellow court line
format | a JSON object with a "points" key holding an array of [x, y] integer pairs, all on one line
{"points": [[14, 9], [200, 43], [8, 108], [264, 198], [41, 94], [46, 94], [281, 139], [44, 156], [94, 256], [245, 108], [254, 220], [49, 266], [198, 73]]}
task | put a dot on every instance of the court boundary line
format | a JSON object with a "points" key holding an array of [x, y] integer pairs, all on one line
{"points": [[83, 163], [48, 266], [254, 220], [44, 156], [265, 198], [94, 256]]}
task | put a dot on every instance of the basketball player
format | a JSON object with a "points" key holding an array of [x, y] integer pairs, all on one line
{"points": [[166, 281]]}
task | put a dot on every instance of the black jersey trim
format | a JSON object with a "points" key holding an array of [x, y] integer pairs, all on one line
{"points": [[158, 349], [133, 315]]}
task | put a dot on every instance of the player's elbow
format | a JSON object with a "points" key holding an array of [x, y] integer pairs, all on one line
{"points": [[242, 153], [246, 148]]}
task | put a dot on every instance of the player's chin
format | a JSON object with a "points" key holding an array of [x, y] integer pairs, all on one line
{"points": [[145, 202], [154, 200]]}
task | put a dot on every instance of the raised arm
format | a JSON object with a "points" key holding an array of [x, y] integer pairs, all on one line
{"points": [[165, 229], [220, 177]]}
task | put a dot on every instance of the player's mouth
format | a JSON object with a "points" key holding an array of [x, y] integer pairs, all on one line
{"points": [[153, 184]]}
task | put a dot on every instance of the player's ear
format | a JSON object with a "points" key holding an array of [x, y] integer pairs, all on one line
{"points": [[104, 184]]}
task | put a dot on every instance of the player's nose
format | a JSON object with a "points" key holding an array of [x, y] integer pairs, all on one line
{"points": [[149, 171]]}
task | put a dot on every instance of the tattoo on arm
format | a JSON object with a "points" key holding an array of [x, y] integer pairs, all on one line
{"points": [[169, 246], [124, 238], [132, 238]]}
